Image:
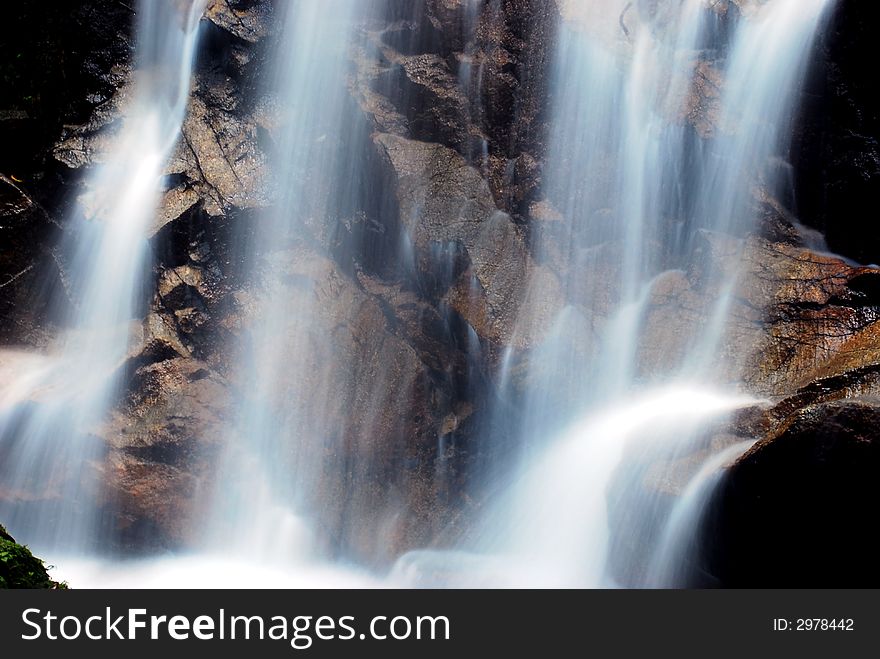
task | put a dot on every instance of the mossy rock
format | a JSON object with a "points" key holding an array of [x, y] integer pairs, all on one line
{"points": [[19, 568]]}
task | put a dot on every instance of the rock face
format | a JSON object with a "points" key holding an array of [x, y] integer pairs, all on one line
{"points": [[448, 212], [470, 76], [424, 283], [796, 317]]}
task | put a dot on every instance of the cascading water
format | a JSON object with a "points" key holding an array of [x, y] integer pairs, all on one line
{"points": [[644, 194], [627, 173], [50, 455], [679, 541], [292, 375], [276, 496]]}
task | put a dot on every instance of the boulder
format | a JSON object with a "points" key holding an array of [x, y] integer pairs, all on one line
{"points": [[797, 509], [220, 160], [249, 20], [448, 212]]}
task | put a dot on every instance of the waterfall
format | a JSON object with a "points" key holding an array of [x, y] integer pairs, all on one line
{"points": [[292, 378], [646, 189], [668, 122], [51, 457]]}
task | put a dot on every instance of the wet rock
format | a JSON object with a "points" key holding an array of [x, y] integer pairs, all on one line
{"points": [[443, 202], [161, 442], [175, 203], [515, 38], [59, 62], [220, 156], [218, 161], [88, 143], [468, 77], [819, 323], [354, 380], [428, 93], [250, 20], [17, 207], [23, 223], [703, 105], [796, 316], [419, 323], [442, 197]]}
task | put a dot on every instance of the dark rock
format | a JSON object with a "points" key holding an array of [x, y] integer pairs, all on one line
{"points": [[797, 510], [58, 64], [474, 82], [443, 202], [17, 208], [61, 63], [836, 153]]}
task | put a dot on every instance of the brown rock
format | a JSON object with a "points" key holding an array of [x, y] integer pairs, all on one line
{"points": [[219, 153], [364, 390], [444, 201], [702, 107], [161, 444], [249, 21]]}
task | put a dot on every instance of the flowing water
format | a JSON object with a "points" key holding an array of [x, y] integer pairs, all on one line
{"points": [[630, 179], [668, 121], [669, 565], [48, 414], [274, 454], [269, 501], [606, 395]]}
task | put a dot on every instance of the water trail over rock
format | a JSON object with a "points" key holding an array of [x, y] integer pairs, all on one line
{"points": [[668, 123], [283, 456], [662, 140], [50, 456]]}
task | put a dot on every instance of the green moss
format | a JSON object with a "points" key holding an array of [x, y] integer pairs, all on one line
{"points": [[19, 568]]}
